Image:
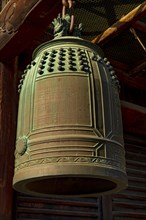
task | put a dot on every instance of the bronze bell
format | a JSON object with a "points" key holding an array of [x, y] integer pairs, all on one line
{"points": [[69, 134]]}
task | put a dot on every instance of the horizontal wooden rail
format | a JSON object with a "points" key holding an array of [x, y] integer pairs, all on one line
{"points": [[134, 118]]}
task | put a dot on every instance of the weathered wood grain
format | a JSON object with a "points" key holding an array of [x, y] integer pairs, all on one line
{"points": [[23, 21]]}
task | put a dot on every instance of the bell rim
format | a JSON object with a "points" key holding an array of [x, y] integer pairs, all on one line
{"points": [[117, 177]]}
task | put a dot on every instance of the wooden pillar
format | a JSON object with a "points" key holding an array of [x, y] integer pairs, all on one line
{"points": [[8, 110], [107, 207]]}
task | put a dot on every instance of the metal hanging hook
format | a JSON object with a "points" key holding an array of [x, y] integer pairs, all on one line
{"points": [[69, 4]]}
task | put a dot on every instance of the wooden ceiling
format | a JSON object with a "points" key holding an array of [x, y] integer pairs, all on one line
{"points": [[129, 28], [118, 26], [123, 42]]}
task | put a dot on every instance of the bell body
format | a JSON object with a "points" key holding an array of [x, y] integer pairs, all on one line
{"points": [[69, 134]]}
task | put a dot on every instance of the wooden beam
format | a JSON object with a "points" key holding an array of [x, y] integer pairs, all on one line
{"points": [[14, 14], [122, 24], [138, 82], [23, 21], [134, 118], [137, 69], [122, 72], [139, 25], [119, 65]]}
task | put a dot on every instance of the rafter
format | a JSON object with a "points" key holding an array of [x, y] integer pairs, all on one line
{"points": [[122, 24], [139, 82], [136, 70], [117, 64], [139, 25]]}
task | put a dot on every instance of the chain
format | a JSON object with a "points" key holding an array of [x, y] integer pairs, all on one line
{"points": [[69, 4]]}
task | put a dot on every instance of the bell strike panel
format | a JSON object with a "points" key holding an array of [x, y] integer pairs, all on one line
{"points": [[74, 90]]}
